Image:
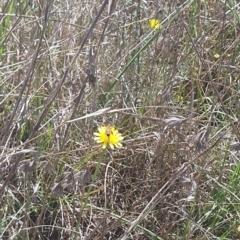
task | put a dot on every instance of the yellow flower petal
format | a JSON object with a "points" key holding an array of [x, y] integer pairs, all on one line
{"points": [[108, 136], [154, 23]]}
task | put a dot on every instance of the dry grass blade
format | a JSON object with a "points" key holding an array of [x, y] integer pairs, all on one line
{"points": [[30, 71], [235, 146], [174, 121], [57, 90], [97, 113], [70, 181], [83, 177], [200, 140], [159, 195], [57, 190], [166, 93], [27, 166], [165, 77]]}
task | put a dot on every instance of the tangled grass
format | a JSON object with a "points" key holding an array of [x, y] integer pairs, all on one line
{"points": [[67, 67]]}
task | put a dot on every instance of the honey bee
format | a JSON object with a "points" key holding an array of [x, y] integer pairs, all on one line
{"points": [[108, 130]]}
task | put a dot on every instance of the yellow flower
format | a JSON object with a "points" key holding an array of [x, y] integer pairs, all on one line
{"points": [[238, 228], [154, 23], [108, 135]]}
